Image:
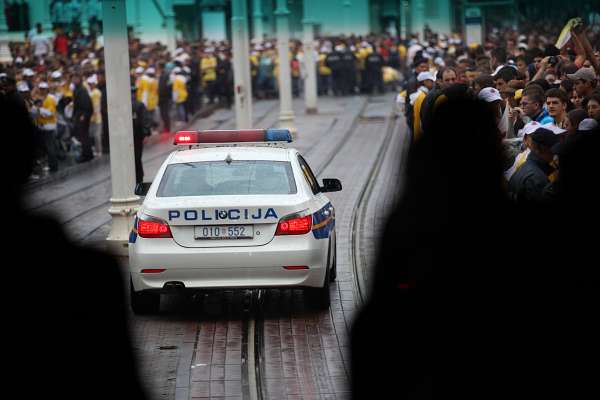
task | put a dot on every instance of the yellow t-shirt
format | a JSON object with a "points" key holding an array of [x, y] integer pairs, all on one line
{"points": [[47, 113], [323, 69], [417, 131], [180, 93], [208, 67], [96, 97]]}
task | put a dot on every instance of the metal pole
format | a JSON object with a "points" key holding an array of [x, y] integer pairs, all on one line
{"points": [[310, 63], [241, 66], [286, 113], [257, 15], [124, 204]]}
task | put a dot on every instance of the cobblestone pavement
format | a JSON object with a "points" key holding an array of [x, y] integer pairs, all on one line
{"points": [[194, 348]]}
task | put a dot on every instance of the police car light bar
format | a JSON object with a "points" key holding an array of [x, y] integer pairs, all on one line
{"points": [[188, 138]]}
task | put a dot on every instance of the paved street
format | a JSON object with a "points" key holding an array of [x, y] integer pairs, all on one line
{"points": [[198, 349]]}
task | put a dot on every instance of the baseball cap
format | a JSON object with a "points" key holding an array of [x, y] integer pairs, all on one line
{"points": [[529, 128], [489, 94], [586, 74], [150, 71], [23, 87], [56, 75], [555, 129], [43, 85], [423, 76], [587, 124], [545, 137], [518, 94], [92, 80], [139, 70], [28, 72]]}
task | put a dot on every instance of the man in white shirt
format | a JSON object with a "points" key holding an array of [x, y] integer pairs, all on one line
{"points": [[40, 43]]}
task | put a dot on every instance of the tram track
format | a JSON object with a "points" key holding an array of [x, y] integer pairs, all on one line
{"points": [[359, 264], [257, 318]]}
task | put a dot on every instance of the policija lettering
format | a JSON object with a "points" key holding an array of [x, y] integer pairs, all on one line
{"points": [[233, 214]]}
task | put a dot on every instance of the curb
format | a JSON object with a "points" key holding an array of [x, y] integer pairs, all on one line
{"points": [[105, 158]]}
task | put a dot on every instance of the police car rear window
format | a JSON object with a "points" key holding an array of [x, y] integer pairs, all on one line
{"points": [[215, 178]]}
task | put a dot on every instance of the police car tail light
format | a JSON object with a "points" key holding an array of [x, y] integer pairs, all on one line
{"points": [[232, 136], [294, 226], [153, 229]]}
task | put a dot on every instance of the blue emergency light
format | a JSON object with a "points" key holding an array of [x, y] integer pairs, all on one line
{"points": [[233, 136]]}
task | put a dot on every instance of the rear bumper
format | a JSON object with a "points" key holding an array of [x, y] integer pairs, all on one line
{"points": [[229, 267]]}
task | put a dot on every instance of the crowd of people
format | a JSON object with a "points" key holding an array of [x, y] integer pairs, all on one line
{"points": [[542, 96], [61, 78]]}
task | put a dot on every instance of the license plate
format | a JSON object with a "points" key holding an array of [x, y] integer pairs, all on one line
{"points": [[224, 232]]}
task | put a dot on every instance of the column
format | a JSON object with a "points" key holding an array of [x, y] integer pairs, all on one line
{"points": [[124, 203], [310, 63], [5, 56], [3, 25], [170, 22], [257, 17], [241, 66], [286, 113]]}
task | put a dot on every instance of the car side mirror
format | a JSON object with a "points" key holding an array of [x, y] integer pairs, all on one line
{"points": [[331, 185], [141, 189]]}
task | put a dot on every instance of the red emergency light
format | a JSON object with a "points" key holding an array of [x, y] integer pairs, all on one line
{"points": [[232, 136]]}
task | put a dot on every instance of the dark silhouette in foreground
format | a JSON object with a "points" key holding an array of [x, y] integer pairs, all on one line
{"points": [[65, 327], [484, 297]]}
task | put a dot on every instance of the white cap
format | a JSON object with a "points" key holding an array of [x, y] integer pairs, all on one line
{"points": [[209, 50], [555, 129], [529, 128], [178, 51], [56, 75], [258, 47], [423, 76], [439, 61], [587, 124], [489, 94], [91, 55], [177, 70], [339, 47], [139, 70], [28, 72], [268, 45], [151, 71], [3, 75], [22, 87], [187, 69], [43, 85], [92, 80], [19, 60]]}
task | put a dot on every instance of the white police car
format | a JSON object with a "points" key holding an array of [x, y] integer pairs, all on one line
{"points": [[233, 209]]}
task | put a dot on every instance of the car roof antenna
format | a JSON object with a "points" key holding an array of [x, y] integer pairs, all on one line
{"points": [[228, 159]]}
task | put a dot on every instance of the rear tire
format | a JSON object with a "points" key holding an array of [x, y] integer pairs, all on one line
{"points": [[319, 298], [143, 303], [333, 267]]}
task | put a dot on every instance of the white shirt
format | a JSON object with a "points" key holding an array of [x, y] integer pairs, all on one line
{"points": [[41, 45]]}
